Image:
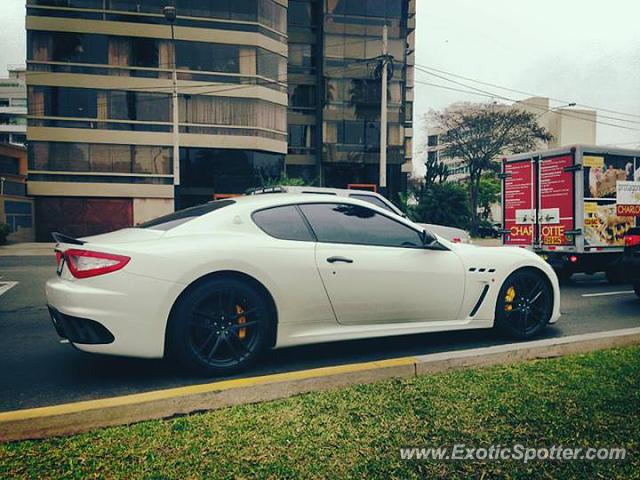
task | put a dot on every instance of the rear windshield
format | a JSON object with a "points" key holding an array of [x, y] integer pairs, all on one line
{"points": [[167, 222]]}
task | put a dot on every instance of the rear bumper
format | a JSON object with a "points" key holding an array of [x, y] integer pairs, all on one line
{"points": [[80, 330], [583, 262], [117, 314]]}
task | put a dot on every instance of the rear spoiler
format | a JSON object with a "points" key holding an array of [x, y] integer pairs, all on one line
{"points": [[62, 238]]}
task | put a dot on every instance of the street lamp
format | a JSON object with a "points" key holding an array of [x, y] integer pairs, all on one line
{"points": [[170, 17]]}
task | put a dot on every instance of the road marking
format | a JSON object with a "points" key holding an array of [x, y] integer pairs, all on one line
{"points": [[6, 286], [603, 294]]}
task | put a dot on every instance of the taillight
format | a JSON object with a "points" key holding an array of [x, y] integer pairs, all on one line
{"points": [[631, 240], [456, 240], [85, 263], [58, 257]]}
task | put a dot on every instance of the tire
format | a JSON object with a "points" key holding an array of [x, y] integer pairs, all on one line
{"points": [[636, 288], [205, 333], [615, 275], [525, 311], [564, 275]]}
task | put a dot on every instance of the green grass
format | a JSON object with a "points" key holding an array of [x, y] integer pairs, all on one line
{"points": [[588, 400]]}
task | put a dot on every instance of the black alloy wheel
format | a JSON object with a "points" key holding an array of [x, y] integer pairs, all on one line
{"points": [[221, 327], [525, 304]]}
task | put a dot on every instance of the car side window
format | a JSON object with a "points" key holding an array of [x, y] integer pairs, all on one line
{"points": [[345, 223], [284, 223], [372, 200]]}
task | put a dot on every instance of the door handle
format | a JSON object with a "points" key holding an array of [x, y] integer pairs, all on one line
{"points": [[339, 259]]}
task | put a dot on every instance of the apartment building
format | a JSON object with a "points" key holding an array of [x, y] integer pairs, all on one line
{"points": [[266, 88], [13, 107]]}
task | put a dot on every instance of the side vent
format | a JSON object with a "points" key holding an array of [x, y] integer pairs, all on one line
{"points": [[482, 270], [480, 300]]}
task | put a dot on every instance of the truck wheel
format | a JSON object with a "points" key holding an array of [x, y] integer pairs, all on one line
{"points": [[615, 276], [564, 275]]}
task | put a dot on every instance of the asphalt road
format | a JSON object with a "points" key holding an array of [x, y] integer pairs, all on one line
{"points": [[36, 369]]}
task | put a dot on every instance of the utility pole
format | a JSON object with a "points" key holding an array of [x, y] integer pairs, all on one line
{"points": [[170, 16], [383, 116]]}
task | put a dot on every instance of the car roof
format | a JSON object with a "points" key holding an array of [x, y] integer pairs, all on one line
{"points": [[341, 192], [274, 199], [330, 192]]}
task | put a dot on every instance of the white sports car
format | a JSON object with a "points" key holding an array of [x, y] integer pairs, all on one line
{"points": [[215, 285]]}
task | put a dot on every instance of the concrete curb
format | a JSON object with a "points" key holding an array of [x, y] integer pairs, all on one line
{"points": [[83, 416]]}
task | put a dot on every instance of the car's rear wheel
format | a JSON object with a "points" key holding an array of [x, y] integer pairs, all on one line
{"points": [[525, 304], [220, 327]]}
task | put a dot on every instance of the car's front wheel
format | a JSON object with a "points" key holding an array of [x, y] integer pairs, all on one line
{"points": [[219, 327], [525, 304]]}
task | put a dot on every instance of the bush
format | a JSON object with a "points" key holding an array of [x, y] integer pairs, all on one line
{"points": [[5, 230], [443, 204]]}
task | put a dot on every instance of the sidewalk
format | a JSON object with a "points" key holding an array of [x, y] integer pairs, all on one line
{"points": [[487, 242], [26, 249]]}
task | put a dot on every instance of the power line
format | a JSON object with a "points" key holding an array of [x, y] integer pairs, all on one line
{"points": [[489, 94], [523, 92], [420, 68]]}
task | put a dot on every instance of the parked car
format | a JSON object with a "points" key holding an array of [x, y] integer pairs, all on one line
{"points": [[453, 234], [490, 230], [631, 258], [214, 286]]}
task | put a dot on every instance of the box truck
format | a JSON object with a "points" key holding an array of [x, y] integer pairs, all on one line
{"points": [[572, 206]]}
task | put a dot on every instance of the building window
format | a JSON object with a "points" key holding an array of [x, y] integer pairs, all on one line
{"points": [[204, 109], [271, 65], [272, 15], [301, 58], [9, 165], [63, 102], [18, 138], [359, 132], [84, 157], [18, 214], [226, 170], [366, 8], [69, 47], [139, 106], [301, 139], [300, 16], [432, 141], [18, 102], [208, 57], [302, 97]]}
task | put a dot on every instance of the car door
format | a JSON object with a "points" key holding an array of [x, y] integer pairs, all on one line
{"points": [[376, 270]]}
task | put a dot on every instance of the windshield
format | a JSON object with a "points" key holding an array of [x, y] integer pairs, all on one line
{"points": [[172, 220]]}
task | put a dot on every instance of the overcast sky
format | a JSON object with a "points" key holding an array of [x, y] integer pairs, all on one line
{"points": [[583, 51]]}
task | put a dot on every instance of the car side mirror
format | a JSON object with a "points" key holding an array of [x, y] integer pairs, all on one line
{"points": [[428, 240]]}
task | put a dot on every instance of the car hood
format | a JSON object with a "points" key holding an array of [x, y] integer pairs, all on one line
{"points": [[473, 252]]}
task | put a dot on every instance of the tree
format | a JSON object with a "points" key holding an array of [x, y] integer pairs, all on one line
{"points": [[488, 194], [480, 133], [437, 171], [283, 180]]}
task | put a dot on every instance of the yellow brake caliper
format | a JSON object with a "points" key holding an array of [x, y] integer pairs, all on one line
{"points": [[242, 333], [509, 298]]}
